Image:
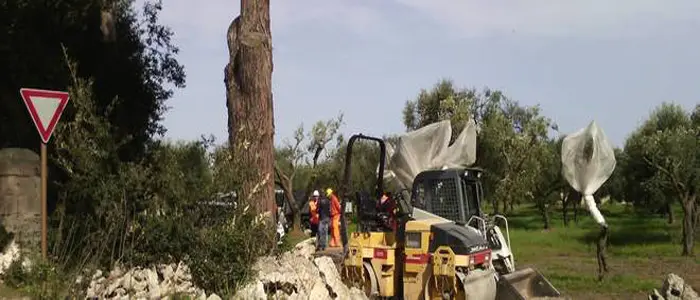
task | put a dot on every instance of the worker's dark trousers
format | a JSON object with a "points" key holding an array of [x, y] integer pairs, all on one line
{"points": [[314, 229], [322, 236]]}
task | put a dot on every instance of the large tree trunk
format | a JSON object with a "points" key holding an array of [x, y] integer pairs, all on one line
{"points": [[248, 79], [689, 208], [669, 213]]}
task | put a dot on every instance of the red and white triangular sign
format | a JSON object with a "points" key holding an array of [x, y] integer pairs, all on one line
{"points": [[45, 108]]}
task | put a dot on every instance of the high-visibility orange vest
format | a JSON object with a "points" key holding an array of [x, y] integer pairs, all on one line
{"points": [[335, 206], [313, 212]]}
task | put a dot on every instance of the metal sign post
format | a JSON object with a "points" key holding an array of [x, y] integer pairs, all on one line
{"points": [[44, 204], [45, 108]]}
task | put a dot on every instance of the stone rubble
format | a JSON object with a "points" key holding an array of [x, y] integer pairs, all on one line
{"points": [[10, 254], [674, 288], [297, 275], [145, 283], [293, 275]]}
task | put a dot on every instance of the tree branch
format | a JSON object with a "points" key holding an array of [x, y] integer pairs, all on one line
{"points": [[677, 184], [280, 175], [316, 155]]}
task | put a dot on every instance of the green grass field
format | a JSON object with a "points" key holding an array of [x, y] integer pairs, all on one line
{"points": [[642, 250]]}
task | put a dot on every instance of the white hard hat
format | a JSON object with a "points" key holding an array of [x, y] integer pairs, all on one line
{"points": [[316, 194]]}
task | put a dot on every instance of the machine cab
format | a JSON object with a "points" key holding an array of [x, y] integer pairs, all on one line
{"points": [[454, 194]]}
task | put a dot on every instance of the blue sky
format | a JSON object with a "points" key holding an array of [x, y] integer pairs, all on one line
{"points": [[581, 60]]}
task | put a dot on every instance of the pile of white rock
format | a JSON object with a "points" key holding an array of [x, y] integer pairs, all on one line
{"points": [[674, 288], [10, 254], [145, 283], [293, 275], [297, 275]]}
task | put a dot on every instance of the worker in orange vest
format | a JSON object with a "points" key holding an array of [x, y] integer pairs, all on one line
{"points": [[335, 218], [313, 213]]}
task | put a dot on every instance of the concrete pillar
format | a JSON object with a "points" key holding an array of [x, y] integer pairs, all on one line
{"points": [[20, 196]]}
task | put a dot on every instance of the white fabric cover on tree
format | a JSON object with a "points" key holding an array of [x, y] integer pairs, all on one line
{"points": [[428, 148], [588, 160]]}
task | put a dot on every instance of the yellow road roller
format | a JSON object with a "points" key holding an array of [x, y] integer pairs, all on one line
{"points": [[426, 255]]}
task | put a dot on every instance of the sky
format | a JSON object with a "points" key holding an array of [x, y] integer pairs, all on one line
{"points": [[607, 61]]}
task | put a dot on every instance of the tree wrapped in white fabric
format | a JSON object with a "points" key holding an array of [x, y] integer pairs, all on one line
{"points": [[588, 160], [428, 148]]}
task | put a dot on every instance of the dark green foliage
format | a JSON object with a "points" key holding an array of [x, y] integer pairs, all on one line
{"points": [[5, 237], [121, 196], [226, 251], [41, 280], [163, 239], [146, 212], [133, 68]]}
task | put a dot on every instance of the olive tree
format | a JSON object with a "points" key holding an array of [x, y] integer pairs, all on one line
{"points": [[666, 149], [511, 141], [303, 153]]}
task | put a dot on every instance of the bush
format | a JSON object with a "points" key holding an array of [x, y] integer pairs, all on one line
{"points": [[143, 212], [163, 239], [40, 279], [229, 250]]}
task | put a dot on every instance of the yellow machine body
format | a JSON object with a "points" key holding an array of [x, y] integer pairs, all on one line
{"points": [[371, 263]]}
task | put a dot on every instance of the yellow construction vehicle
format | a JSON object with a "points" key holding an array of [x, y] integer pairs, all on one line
{"points": [[430, 255]]}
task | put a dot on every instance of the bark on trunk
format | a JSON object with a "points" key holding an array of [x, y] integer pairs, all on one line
{"points": [[293, 205], [669, 213], [571, 200], [576, 202], [600, 253], [544, 213], [564, 209], [688, 224], [248, 78], [287, 184]]}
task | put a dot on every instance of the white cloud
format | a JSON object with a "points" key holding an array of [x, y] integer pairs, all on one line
{"points": [[586, 18]]}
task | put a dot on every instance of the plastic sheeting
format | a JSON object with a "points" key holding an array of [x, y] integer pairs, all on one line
{"points": [[428, 148], [588, 160]]}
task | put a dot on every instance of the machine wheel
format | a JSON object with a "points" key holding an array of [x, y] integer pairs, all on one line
{"points": [[442, 289], [367, 281]]}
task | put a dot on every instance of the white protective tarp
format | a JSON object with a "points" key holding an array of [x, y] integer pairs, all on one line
{"points": [[428, 148], [588, 160]]}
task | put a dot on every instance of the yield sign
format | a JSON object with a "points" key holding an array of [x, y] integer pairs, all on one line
{"points": [[46, 108]]}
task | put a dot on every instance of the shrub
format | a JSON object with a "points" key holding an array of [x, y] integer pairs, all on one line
{"points": [[41, 279], [226, 252], [142, 212]]}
